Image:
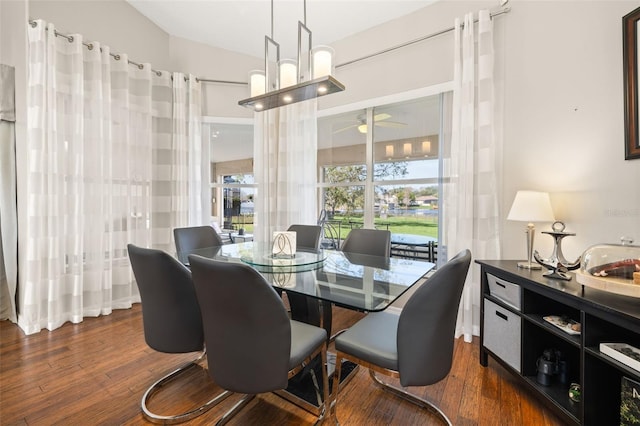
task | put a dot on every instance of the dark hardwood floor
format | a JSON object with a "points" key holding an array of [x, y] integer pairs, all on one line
{"points": [[95, 373]]}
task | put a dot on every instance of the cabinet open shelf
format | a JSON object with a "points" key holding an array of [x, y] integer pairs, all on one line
{"points": [[538, 319], [517, 335], [629, 372], [558, 395]]}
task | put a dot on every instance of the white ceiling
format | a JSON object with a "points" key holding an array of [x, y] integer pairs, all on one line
{"points": [[240, 25]]}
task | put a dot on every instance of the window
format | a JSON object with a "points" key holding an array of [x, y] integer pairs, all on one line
{"points": [[386, 175], [402, 150], [232, 183], [237, 201]]}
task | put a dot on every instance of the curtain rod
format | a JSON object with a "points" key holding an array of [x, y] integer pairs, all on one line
{"points": [[362, 58], [502, 11], [117, 57], [417, 40], [90, 47]]}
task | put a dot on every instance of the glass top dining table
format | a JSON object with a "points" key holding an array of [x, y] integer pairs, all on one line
{"points": [[412, 240], [354, 281]]}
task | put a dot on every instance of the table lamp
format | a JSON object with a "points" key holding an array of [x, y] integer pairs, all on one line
{"points": [[531, 206]]}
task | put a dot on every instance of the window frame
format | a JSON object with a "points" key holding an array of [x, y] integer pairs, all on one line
{"points": [[216, 184], [369, 182]]}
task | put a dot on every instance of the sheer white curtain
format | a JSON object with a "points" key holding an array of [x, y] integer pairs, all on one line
{"points": [[285, 158], [180, 157], [471, 167], [99, 137], [199, 209]]}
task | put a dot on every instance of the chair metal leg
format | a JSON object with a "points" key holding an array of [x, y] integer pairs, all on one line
{"points": [[325, 384], [409, 397], [235, 409], [334, 394], [336, 334], [183, 417]]}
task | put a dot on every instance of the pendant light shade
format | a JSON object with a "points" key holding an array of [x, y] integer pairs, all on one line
{"points": [[322, 61], [288, 81], [288, 71], [257, 83]]}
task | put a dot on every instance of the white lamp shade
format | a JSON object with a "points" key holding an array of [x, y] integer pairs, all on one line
{"points": [[288, 73], [322, 61], [531, 206], [257, 83]]}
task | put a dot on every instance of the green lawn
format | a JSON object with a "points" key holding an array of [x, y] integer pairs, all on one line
{"points": [[398, 225]]}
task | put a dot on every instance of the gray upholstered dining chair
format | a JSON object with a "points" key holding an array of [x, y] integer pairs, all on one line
{"points": [[171, 320], [196, 237], [373, 242], [257, 347], [303, 308], [307, 236], [416, 345]]}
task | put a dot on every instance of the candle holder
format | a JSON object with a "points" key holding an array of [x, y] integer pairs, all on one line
{"points": [[284, 245], [556, 264]]}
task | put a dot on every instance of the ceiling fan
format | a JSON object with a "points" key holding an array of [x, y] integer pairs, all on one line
{"points": [[378, 120]]}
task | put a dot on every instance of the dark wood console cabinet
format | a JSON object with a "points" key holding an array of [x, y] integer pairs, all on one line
{"points": [[512, 330]]}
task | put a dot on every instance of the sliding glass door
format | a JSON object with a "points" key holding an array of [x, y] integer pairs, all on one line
{"points": [[380, 167], [377, 167]]}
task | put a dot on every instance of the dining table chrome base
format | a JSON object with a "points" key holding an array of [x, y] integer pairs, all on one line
{"points": [[299, 391]]}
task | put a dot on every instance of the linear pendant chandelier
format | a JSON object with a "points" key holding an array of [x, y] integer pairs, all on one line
{"points": [[284, 82]]}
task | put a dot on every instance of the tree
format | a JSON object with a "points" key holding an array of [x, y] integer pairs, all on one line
{"points": [[348, 197], [352, 197], [334, 197], [429, 190], [394, 169], [339, 174]]}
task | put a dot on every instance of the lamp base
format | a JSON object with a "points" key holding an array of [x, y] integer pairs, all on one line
{"points": [[528, 265]]}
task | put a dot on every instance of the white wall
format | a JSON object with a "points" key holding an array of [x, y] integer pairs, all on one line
{"points": [[111, 22], [564, 129], [422, 64], [220, 100]]}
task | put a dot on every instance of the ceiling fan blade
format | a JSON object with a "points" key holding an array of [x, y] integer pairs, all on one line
{"points": [[351, 126], [381, 116], [395, 124]]}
